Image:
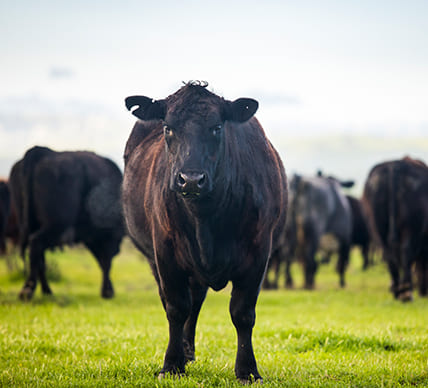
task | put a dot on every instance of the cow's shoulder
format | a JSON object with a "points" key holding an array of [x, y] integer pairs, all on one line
{"points": [[142, 131]]}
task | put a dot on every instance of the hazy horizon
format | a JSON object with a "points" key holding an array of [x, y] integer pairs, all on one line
{"points": [[329, 76]]}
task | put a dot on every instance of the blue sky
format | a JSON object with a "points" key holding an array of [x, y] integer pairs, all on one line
{"points": [[316, 67]]}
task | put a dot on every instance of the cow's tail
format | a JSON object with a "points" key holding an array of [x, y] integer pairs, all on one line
{"points": [[31, 158]]}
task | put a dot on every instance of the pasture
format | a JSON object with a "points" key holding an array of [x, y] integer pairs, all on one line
{"points": [[329, 337]]}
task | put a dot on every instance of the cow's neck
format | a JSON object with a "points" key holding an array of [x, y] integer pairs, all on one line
{"points": [[203, 226], [204, 239]]}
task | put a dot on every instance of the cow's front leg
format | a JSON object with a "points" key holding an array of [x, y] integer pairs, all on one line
{"points": [[198, 293], [177, 302], [243, 313]]}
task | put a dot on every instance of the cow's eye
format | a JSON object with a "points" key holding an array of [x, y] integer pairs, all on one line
{"points": [[216, 129], [167, 130]]}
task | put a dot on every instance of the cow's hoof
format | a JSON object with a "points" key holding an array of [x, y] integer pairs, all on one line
{"points": [[47, 291], [26, 294], [250, 380], [163, 375], [107, 294], [406, 296], [189, 352]]}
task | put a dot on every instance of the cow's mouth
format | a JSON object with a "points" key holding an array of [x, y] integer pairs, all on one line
{"points": [[186, 194]]}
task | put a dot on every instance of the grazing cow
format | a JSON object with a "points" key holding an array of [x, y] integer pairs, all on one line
{"points": [[396, 200], [319, 208], [204, 198], [64, 198], [4, 214], [8, 219]]}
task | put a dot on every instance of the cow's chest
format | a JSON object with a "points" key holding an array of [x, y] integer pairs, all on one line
{"points": [[210, 256]]}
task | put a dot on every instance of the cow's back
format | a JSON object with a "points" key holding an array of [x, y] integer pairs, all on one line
{"points": [[73, 191], [396, 198], [321, 204]]}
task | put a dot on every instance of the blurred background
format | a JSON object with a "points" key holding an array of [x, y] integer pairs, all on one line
{"points": [[342, 85]]}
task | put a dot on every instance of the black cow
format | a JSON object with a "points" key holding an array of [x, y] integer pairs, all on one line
{"points": [[204, 199], [360, 234], [64, 198], [396, 201], [9, 231], [4, 214], [319, 208]]}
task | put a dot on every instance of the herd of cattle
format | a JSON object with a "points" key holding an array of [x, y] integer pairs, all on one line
{"points": [[205, 198]]}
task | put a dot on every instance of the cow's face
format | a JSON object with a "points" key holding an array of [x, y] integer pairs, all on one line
{"points": [[194, 131]]}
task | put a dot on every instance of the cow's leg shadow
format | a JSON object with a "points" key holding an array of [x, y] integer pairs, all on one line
{"points": [[198, 294]]}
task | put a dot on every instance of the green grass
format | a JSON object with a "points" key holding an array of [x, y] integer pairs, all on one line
{"points": [[356, 337]]}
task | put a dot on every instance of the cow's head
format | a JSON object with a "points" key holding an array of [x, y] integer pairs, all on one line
{"points": [[194, 130]]}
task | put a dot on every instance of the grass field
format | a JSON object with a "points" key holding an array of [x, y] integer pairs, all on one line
{"points": [[356, 337]]}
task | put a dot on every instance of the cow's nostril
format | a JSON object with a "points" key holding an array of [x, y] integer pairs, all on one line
{"points": [[181, 179], [191, 182], [201, 181]]}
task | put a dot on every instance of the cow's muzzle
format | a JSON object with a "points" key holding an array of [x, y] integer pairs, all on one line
{"points": [[192, 184]]}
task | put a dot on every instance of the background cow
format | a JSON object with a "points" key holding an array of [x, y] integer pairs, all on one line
{"points": [[396, 201], [4, 214], [204, 198], [360, 236], [319, 208], [326, 237], [9, 232], [64, 198]]}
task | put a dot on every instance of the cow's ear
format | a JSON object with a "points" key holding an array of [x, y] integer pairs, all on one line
{"points": [[241, 109], [147, 108], [347, 184]]}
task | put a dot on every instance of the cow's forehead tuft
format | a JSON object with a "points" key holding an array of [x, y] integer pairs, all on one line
{"points": [[190, 94], [193, 102]]}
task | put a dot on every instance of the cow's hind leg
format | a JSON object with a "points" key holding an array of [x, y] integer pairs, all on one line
{"points": [[42, 276], [38, 245], [342, 262], [288, 278], [408, 248], [390, 256], [104, 256], [198, 294], [365, 254], [310, 265]]}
